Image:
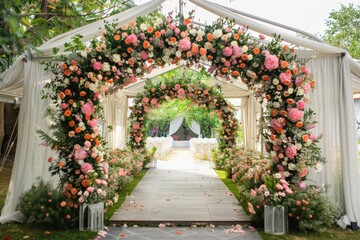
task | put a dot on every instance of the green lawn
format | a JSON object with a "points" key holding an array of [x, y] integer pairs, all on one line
{"points": [[36, 231], [335, 232]]}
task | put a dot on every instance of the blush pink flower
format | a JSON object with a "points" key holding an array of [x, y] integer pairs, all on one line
{"points": [[80, 154], [298, 81], [237, 51], [105, 167], [181, 93], [302, 185], [97, 66], [252, 192], [133, 79], [279, 186], [87, 144], [177, 87], [64, 105], [227, 51], [86, 167], [301, 104], [143, 55], [145, 100], [122, 173], [136, 125], [284, 77], [88, 108], [295, 114], [303, 172], [307, 88], [132, 38], [251, 208], [163, 86], [92, 123], [184, 44], [153, 101], [312, 137], [271, 62], [291, 151], [90, 189]]}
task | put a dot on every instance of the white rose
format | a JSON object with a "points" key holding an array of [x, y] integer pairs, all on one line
{"points": [[234, 43], [158, 22], [290, 90], [151, 48], [143, 26], [291, 166], [193, 32], [116, 58], [250, 56], [83, 54], [276, 104], [178, 54], [284, 163], [300, 92], [217, 33], [200, 33], [74, 105], [276, 81], [208, 45], [244, 49], [80, 162], [129, 70], [105, 67], [151, 54], [138, 70], [286, 174]]}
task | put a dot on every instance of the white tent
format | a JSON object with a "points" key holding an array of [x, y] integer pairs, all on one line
{"points": [[337, 75]]}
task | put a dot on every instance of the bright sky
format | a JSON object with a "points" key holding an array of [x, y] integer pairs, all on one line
{"points": [[306, 15]]}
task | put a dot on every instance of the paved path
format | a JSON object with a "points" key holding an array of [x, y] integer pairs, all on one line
{"points": [[183, 191]]}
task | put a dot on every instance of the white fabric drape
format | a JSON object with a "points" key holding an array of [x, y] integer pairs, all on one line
{"points": [[195, 127], [31, 155], [249, 106], [175, 124], [357, 109], [115, 116], [336, 121]]}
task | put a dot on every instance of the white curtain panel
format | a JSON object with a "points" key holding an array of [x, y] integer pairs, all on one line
{"points": [[31, 154], [175, 124], [195, 127], [249, 106], [357, 109], [333, 103]]}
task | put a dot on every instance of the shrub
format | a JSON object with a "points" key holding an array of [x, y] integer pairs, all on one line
{"points": [[44, 204]]}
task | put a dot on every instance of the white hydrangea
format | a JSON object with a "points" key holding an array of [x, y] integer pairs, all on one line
{"points": [[217, 33]]}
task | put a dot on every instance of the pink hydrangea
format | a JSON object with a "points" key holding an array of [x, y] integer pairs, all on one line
{"points": [[237, 51], [227, 51], [271, 62], [301, 104], [80, 154], [132, 38], [93, 122], [291, 151], [97, 66], [295, 114], [278, 123], [88, 108], [184, 44], [298, 81], [86, 167]]}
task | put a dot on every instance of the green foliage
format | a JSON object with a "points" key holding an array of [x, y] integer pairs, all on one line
{"points": [[42, 204], [343, 29]]}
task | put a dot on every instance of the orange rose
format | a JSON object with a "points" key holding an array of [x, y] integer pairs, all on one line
{"points": [[67, 92], [256, 50], [265, 77], [146, 44], [67, 113], [299, 124], [305, 138], [187, 21], [67, 72], [295, 71], [61, 95], [63, 66], [129, 50], [116, 37], [74, 191], [87, 136], [82, 93], [202, 51], [173, 40], [210, 37], [235, 73], [78, 130], [244, 57], [71, 123], [87, 117], [236, 36], [242, 65], [284, 64], [149, 29], [158, 34], [224, 70], [312, 83]]}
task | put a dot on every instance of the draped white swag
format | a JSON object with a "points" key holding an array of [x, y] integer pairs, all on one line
{"points": [[337, 75], [175, 124]]}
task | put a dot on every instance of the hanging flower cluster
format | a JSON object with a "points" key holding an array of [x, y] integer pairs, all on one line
{"points": [[199, 93], [121, 55]]}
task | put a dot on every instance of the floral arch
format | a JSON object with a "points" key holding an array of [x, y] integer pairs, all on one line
{"points": [[123, 54], [199, 93]]}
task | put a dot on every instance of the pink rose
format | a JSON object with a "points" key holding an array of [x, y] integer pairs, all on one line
{"points": [[177, 87], [145, 100], [307, 88], [86, 167], [122, 173], [291, 151], [284, 77], [97, 65], [133, 79], [92, 123], [87, 144], [88, 108], [271, 62], [181, 93], [98, 181], [64, 105], [295, 114], [302, 185], [184, 44], [298, 81], [262, 37], [132, 38], [136, 125], [163, 86], [279, 186], [312, 137], [303, 172], [301, 104], [227, 52], [305, 70], [143, 55], [137, 139], [278, 123], [153, 101], [90, 189]]}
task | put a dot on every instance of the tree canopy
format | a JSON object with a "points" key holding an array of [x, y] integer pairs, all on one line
{"points": [[343, 29], [28, 24]]}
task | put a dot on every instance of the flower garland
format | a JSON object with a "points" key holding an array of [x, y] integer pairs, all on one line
{"points": [[122, 54], [199, 93]]}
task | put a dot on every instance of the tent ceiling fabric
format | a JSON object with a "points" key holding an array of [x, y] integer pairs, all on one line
{"points": [[234, 89]]}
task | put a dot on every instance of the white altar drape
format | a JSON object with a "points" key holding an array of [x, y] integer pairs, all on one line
{"points": [[195, 127], [175, 124], [249, 108]]}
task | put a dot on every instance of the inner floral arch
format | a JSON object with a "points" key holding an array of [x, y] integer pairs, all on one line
{"points": [[199, 93], [122, 54]]}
